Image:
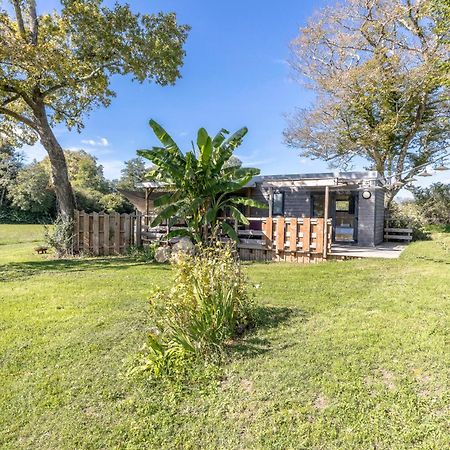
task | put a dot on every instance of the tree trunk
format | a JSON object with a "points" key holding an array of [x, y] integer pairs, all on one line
{"points": [[389, 197], [60, 177]]}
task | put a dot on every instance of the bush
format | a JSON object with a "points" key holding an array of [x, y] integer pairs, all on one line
{"points": [[143, 253], [208, 305], [408, 215], [59, 236]]}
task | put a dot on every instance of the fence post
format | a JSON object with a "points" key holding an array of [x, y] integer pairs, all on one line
{"points": [[138, 229], [106, 234], [86, 233], [293, 234], [280, 234], [95, 234], [306, 234]]}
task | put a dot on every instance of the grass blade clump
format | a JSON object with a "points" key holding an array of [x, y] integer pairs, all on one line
{"points": [[207, 306]]}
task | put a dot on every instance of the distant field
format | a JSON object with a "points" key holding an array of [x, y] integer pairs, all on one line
{"points": [[16, 234], [351, 355]]}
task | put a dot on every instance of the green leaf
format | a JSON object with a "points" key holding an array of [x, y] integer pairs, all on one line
{"points": [[230, 231], [202, 136], [238, 215], [248, 202], [163, 136]]}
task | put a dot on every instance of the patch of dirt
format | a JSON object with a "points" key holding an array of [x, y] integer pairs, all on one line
{"points": [[321, 402], [247, 385], [388, 378]]}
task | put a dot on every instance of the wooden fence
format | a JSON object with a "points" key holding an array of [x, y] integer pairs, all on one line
{"points": [[277, 239], [105, 234], [288, 239], [394, 233]]}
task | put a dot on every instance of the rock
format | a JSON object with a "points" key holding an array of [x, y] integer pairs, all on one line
{"points": [[163, 254], [185, 246]]}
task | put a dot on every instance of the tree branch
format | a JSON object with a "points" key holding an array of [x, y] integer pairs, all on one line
{"points": [[18, 117], [19, 18], [10, 100], [34, 22]]}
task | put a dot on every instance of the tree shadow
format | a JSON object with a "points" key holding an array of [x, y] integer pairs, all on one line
{"points": [[19, 270], [267, 317]]}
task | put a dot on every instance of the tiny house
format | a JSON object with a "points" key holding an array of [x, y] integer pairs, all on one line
{"points": [[353, 200]]}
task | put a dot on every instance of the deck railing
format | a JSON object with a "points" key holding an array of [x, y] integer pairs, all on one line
{"points": [[278, 238]]}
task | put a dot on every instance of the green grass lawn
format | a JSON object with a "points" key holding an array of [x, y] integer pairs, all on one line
{"points": [[352, 354]]}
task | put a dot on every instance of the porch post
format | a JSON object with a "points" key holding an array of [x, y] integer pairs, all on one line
{"points": [[325, 220], [146, 206]]}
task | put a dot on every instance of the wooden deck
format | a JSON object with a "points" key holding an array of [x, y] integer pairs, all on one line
{"points": [[388, 250]]}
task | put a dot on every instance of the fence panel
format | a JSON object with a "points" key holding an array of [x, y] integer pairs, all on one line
{"points": [[103, 234]]}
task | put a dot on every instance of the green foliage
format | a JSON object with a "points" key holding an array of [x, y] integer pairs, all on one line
{"points": [[31, 190], [10, 164], [144, 253], [208, 305], [66, 58], [59, 236], [408, 215], [133, 173], [434, 203], [201, 183], [376, 70]]}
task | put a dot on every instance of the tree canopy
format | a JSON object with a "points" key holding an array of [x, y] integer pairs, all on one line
{"points": [[381, 95], [56, 67]]}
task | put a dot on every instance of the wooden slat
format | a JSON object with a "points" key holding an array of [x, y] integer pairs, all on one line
{"points": [[319, 236], [306, 229], [106, 244], [86, 233], [138, 225], [398, 237], [95, 234], [293, 235], [126, 232], [268, 230], [117, 233], [398, 230], [280, 234]]}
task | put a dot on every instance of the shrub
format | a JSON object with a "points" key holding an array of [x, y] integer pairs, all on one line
{"points": [[59, 236], [143, 253], [408, 215], [208, 305]]}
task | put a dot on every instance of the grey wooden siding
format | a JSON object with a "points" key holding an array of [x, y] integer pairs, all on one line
{"points": [[379, 216], [296, 201]]}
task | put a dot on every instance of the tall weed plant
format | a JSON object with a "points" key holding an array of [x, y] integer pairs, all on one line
{"points": [[208, 305]]}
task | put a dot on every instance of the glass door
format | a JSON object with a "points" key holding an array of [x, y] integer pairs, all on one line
{"points": [[345, 218]]}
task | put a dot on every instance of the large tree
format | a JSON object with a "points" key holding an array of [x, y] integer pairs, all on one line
{"points": [[55, 67], [376, 69]]}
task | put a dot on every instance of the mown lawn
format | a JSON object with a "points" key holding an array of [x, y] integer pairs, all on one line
{"points": [[351, 355]]}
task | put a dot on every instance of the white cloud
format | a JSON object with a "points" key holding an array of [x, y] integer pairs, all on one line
{"points": [[101, 142]]}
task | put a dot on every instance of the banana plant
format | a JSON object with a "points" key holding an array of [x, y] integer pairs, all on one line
{"points": [[201, 185]]}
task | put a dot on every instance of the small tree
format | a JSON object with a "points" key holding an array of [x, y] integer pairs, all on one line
{"points": [[133, 173], [202, 184], [56, 67], [376, 69], [10, 165], [434, 203]]}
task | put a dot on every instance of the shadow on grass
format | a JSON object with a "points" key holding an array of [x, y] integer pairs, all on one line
{"points": [[19, 270], [267, 317]]}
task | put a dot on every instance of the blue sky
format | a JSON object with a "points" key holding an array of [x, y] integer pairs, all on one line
{"points": [[235, 74]]}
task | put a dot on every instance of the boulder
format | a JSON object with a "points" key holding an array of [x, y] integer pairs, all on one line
{"points": [[185, 246], [163, 254]]}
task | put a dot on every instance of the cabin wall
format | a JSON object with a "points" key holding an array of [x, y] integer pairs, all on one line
{"points": [[296, 201], [379, 216]]}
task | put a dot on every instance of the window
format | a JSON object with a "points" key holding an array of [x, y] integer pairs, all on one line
{"points": [[317, 205], [343, 206], [278, 203]]}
